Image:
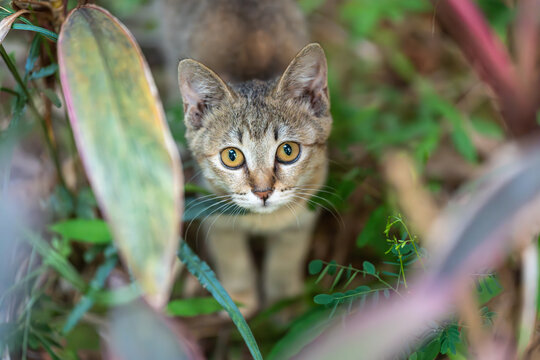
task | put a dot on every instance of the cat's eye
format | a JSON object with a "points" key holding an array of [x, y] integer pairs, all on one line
{"points": [[232, 158], [288, 152]]}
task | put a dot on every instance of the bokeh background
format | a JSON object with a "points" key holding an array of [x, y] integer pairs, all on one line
{"points": [[397, 83]]}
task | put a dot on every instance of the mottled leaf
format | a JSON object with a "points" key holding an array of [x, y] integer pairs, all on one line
{"points": [[124, 142]]}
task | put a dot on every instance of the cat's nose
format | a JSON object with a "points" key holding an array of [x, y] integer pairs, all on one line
{"points": [[263, 194]]}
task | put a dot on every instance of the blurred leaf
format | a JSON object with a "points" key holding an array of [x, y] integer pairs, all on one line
{"points": [[323, 299], [44, 72], [33, 55], [308, 6], [488, 128], [47, 33], [87, 301], [57, 262], [139, 333], [92, 231], [301, 332], [372, 233], [208, 280], [53, 97], [123, 139], [463, 144], [315, 267], [364, 15], [193, 307], [498, 14], [368, 267]]}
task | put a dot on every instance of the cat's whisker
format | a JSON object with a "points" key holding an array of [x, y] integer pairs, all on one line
{"points": [[320, 186], [213, 222], [197, 173], [241, 212], [223, 206], [334, 213], [199, 203], [204, 209], [319, 197], [319, 190], [294, 214]]}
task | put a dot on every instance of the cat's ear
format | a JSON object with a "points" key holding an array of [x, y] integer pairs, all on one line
{"points": [[306, 79], [202, 89]]}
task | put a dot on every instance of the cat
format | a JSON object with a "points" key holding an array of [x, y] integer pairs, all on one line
{"points": [[257, 125]]}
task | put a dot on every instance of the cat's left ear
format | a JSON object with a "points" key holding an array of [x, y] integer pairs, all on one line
{"points": [[306, 80]]}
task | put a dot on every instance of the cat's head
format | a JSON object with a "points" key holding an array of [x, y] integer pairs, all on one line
{"points": [[261, 142]]}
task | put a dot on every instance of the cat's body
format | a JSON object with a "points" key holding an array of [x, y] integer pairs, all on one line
{"points": [[260, 138]]}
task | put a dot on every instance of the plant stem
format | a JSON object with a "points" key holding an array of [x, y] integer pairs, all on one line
{"points": [[18, 79]]}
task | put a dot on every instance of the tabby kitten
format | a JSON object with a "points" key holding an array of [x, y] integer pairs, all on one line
{"points": [[262, 145]]}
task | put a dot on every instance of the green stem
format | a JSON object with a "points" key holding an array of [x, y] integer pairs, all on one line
{"points": [[18, 79], [365, 273]]}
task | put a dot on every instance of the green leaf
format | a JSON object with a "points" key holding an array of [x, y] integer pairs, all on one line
{"points": [[33, 55], [208, 280], [463, 144], [53, 97], [47, 33], [44, 72], [87, 301], [122, 136], [57, 262], [193, 307], [488, 128], [91, 231], [332, 267], [336, 279], [314, 267], [301, 332], [368, 267], [372, 233], [323, 299]]}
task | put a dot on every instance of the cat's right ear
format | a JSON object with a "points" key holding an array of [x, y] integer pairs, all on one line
{"points": [[202, 89]]}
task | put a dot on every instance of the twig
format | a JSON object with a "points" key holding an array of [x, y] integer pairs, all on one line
{"points": [[18, 79]]}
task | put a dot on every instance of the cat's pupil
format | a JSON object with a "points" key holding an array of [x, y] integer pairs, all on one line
{"points": [[232, 155], [287, 149]]}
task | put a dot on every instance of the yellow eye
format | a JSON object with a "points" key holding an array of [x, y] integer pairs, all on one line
{"points": [[288, 152], [232, 158]]}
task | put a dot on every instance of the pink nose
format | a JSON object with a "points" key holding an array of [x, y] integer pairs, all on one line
{"points": [[263, 194]]}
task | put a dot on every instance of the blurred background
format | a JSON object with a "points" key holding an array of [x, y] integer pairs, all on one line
{"points": [[397, 82]]}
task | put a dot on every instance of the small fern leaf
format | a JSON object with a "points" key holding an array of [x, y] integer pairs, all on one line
{"points": [[208, 280]]}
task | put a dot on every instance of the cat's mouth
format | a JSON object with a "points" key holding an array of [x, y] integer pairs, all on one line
{"points": [[261, 205]]}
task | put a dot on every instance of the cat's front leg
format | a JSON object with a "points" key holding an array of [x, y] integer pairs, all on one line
{"points": [[284, 264], [234, 265]]}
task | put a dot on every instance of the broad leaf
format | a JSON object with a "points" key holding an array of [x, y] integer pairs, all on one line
{"points": [[122, 137], [92, 231]]}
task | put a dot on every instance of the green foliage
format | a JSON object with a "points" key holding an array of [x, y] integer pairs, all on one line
{"points": [[193, 307], [364, 15], [93, 231]]}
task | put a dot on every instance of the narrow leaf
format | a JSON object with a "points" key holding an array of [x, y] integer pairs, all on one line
{"points": [[208, 280], [44, 72]]}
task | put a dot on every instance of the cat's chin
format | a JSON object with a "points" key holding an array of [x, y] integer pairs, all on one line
{"points": [[262, 209]]}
